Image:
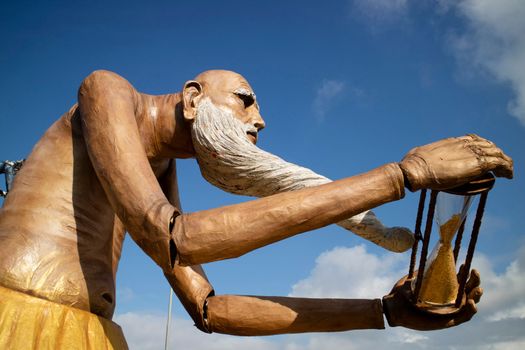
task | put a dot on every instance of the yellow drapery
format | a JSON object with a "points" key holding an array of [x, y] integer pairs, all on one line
{"points": [[27, 322]]}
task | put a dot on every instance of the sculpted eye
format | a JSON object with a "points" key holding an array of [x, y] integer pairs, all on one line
{"points": [[248, 100]]}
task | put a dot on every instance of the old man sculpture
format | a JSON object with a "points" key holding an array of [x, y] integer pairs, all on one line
{"points": [[107, 167]]}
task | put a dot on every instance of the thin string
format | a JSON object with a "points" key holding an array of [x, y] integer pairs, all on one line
{"points": [[168, 322]]}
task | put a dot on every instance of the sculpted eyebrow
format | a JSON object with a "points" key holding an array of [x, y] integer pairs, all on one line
{"points": [[247, 96]]}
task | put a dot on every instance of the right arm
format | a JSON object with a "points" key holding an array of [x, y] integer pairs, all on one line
{"points": [[234, 230]]}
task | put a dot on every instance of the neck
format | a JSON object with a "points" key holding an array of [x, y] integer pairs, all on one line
{"points": [[164, 125]]}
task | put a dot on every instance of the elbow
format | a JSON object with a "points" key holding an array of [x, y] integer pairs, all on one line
{"points": [[179, 247], [193, 242], [193, 290], [204, 237]]}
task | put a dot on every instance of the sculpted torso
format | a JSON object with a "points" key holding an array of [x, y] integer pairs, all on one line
{"points": [[58, 228], [107, 166]]}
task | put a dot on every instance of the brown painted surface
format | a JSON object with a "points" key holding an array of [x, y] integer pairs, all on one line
{"points": [[246, 315]]}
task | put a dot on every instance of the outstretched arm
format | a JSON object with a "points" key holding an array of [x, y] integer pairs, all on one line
{"points": [[256, 315], [253, 315], [260, 315], [231, 231], [234, 230]]}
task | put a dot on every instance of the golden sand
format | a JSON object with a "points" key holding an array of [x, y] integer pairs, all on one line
{"points": [[440, 284]]}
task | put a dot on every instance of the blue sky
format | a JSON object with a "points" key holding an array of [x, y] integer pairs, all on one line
{"points": [[344, 86]]}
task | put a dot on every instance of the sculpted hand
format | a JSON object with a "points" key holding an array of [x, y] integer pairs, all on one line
{"points": [[452, 162], [399, 311]]}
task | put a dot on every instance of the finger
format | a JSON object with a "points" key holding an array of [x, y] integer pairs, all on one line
{"points": [[492, 159], [473, 281], [469, 310], [476, 294], [481, 146], [475, 137], [499, 166], [468, 137], [490, 149]]}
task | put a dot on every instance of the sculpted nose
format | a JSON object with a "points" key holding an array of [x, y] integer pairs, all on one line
{"points": [[258, 122]]}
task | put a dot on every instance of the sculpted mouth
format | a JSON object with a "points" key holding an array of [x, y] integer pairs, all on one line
{"points": [[252, 135]]}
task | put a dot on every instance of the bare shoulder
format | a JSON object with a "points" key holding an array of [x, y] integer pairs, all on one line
{"points": [[103, 91], [104, 80]]}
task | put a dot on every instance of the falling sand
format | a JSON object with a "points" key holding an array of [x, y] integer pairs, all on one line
{"points": [[440, 284]]}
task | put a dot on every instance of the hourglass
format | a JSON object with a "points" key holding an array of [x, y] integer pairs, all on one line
{"points": [[440, 285], [438, 288]]}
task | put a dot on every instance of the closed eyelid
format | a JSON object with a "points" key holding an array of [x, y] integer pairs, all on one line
{"points": [[245, 92], [247, 97]]}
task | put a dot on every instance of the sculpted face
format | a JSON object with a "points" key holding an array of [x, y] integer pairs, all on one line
{"points": [[229, 90]]}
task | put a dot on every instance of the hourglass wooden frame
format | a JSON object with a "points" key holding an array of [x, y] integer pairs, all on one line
{"points": [[480, 186]]}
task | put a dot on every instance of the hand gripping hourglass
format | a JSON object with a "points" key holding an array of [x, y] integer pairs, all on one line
{"points": [[438, 288]]}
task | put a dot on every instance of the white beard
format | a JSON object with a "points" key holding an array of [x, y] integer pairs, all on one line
{"points": [[228, 160]]}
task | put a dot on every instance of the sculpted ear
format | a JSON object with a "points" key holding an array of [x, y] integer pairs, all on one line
{"points": [[191, 94]]}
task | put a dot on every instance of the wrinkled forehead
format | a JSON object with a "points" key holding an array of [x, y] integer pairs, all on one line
{"points": [[223, 81]]}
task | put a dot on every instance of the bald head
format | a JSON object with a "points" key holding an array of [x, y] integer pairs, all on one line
{"points": [[222, 80]]}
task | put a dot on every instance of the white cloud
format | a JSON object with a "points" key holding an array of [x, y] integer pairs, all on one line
{"points": [[516, 311], [144, 331], [325, 96], [503, 297], [494, 41], [351, 273]]}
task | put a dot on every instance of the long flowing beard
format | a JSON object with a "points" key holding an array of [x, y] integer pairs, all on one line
{"points": [[228, 160]]}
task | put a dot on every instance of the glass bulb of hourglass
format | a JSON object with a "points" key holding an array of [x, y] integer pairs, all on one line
{"points": [[451, 207], [440, 284]]}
